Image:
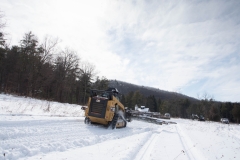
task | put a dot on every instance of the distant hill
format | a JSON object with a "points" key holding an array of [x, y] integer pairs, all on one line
{"points": [[125, 88]]}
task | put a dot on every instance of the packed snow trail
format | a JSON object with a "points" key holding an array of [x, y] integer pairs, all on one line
{"points": [[27, 136], [35, 129], [168, 143], [44, 137], [24, 136]]}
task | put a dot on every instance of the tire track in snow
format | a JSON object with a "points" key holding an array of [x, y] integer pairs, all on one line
{"points": [[144, 151], [189, 148], [167, 142], [156, 145], [44, 136]]}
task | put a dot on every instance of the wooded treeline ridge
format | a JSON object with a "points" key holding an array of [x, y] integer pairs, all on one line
{"points": [[40, 70], [178, 105]]}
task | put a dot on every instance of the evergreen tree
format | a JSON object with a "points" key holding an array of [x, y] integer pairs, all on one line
{"points": [[236, 112], [152, 103], [129, 102], [100, 83], [214, 113]]}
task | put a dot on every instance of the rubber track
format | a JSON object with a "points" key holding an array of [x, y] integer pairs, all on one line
{"points": [[114, 121]]}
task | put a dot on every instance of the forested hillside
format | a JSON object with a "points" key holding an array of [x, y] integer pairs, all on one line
{"points": [[178, 105], [125, 88]]}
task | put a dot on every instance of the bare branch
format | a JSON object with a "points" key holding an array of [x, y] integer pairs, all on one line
{"points": [[49, 48], [87, 68], [2, 24]]}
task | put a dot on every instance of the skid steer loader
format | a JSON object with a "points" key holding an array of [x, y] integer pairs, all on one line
{"points": [[105, 108]]}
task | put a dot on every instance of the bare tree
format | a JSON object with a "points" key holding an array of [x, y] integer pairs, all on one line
{"points": [[205, 96], [2, 25], [49, 47], [66, 71], [88, 68], [87, 74]]}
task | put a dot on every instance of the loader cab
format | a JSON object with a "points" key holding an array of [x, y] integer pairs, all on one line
{"points": [[105, 94], [114, 91]]}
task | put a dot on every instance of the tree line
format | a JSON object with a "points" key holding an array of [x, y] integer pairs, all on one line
{"points": [[43, 71], [184, 108]]}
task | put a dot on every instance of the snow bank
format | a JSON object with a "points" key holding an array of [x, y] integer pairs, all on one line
{"points": [[16, 105]]}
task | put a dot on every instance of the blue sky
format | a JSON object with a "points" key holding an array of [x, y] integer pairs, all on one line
{"points": [[190, 47]]}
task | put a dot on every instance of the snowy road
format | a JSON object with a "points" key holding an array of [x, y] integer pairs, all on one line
{"points": [[44, 137], [35, 129]]}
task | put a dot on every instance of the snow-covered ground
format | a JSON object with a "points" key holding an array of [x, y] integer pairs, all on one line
{"points": [[35, 129], [15, 105]]}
